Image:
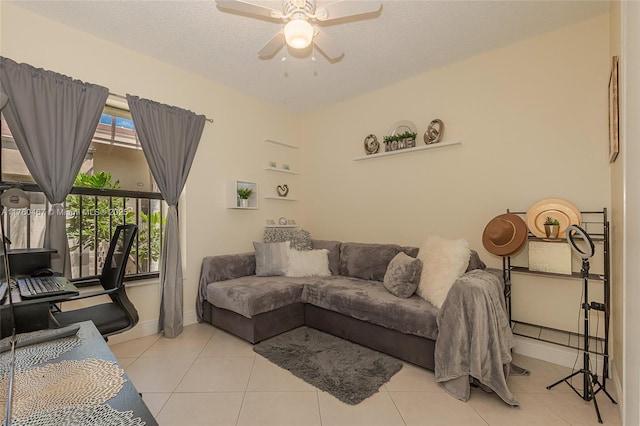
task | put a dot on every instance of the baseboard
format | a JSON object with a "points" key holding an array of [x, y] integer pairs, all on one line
{"points": [[555, 354], [617, 384], [148, 328], [189, 318]]}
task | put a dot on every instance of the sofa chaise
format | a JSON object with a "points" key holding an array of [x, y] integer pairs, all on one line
{"points": [[351, 303]]}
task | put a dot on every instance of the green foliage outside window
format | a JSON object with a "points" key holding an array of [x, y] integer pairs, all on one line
{"points": [[101, 215]]}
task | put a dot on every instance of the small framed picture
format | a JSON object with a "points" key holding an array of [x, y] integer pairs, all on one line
{"points": [[292, 222], [614, 147]]}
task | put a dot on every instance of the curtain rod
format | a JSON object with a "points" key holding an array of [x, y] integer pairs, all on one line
{"points": [[210, 120]]}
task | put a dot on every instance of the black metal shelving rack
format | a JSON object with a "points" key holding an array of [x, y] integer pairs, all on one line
{"points": [[601, 235]]}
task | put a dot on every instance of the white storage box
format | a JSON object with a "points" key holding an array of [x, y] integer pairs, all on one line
{"points": [[547, 256]]}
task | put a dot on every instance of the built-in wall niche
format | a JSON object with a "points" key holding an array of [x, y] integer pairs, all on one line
{"points": [[236, 188]]}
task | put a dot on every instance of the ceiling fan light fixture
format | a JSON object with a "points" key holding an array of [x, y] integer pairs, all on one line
{"points": [[298, 33]]}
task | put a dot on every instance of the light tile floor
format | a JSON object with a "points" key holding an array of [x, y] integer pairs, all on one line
{"points": [[206, 376]]}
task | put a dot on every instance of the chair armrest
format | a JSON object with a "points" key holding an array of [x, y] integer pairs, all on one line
{"points": [[91, 294]]}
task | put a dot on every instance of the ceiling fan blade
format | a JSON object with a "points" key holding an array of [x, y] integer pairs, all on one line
{"points": [[327, 46], [273, 46], [249, 8], [343, 9]]}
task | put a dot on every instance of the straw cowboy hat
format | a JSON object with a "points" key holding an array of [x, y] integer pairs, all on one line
{"points": [[505, 235], [565, 212]]}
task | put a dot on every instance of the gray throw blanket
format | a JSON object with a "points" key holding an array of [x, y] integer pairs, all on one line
{"points": [[474, 338]]}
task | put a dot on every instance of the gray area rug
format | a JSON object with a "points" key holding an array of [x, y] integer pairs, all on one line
{"points": [[348, 371]]}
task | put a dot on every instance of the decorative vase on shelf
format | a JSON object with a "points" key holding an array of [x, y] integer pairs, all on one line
{"points": [[551, 227], [552, 231], [243, 202]]}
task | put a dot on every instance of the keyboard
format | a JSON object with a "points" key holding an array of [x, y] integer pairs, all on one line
{"points": [[34, 287]]}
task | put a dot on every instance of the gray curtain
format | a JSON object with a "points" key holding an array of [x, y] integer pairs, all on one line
{"points": [[52, 118], [169, 137]]}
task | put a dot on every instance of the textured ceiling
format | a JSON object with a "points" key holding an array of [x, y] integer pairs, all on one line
{"points": [[406, 38]]}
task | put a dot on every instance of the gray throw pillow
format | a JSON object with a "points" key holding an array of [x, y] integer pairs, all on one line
{"points": [[403, 275], [271, 258], [366, 260], [300, 239]]}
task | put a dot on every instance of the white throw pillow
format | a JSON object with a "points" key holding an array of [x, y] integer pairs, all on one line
{"points": [[308, 263], [443, 262]]}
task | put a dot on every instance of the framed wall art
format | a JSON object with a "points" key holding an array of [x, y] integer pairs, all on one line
{"points": [[614, 146]]}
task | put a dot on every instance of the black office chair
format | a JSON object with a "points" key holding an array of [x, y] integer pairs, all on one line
{"points": [[119, 315]]}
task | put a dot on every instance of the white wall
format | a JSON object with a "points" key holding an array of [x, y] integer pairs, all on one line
{"points": [[230, 148], [532, 117], [630, 130], [617, 210]]}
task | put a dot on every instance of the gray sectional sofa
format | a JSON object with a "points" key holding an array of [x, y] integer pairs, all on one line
{"points": [[352, 303]]}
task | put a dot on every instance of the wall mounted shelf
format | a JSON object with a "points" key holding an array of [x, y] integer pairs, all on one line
{"points": [[281, 226], [275, 169], [407, 150], [281, 198], [288, 145], [232, 194]]}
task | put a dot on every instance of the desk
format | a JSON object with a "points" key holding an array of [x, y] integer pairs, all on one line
{"points": [[94, 346], [30, 315]]}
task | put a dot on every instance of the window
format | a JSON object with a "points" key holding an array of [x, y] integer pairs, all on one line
{"points": [[114, 186]]}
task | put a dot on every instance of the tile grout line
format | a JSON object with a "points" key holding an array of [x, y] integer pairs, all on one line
{"points": [[478, 413], [244, 394], [185, 373], [318, 401], [396, 405]]}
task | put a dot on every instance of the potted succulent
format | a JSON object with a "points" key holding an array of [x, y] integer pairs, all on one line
{"points": [[551, 227], [243, 196]]}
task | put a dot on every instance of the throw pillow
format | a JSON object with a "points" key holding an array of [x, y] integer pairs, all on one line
{"points": [[366, 260], [308, 263], [271, 258], [334, 253], [300, 239], [443, 262], [403, 275]]}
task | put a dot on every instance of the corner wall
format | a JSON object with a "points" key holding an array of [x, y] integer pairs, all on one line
{"points": [[532, 118]]}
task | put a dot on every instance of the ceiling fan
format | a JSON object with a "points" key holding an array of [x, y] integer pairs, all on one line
{"points": [[298, 31]]}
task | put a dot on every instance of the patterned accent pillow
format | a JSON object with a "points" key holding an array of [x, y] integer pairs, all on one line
{"points": [[300, 239]]}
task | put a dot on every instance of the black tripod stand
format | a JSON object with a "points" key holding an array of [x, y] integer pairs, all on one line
{"points": [[590, 383]]}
